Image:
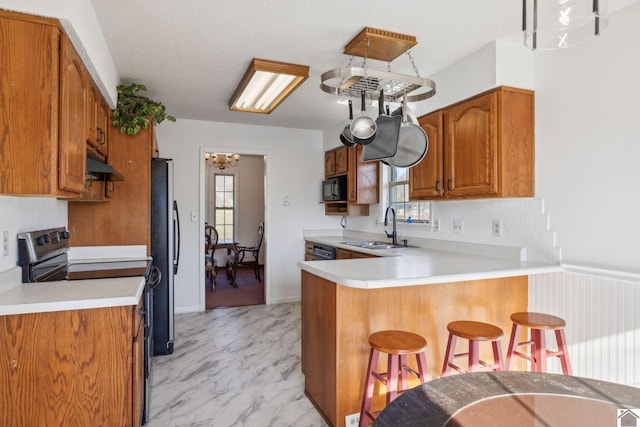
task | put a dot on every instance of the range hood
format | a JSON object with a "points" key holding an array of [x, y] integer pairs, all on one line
{"points": [[97, 169]]}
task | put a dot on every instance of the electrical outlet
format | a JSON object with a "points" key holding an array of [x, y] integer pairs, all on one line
{"points": [[5, 243], [458, 225], [287, 201], [496, 228], [352, 420], [435, 225]]}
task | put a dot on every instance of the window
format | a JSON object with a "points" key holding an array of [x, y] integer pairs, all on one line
{"points": [[399, 197], [224, 208]]}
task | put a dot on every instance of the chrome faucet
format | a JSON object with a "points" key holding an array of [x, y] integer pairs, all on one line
{"points": [[393, 235]]}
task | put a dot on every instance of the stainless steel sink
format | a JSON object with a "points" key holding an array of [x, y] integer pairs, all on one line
{"points": [[374, 245]]}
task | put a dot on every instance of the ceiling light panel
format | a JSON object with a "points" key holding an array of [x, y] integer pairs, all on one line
{"points": [[266, 84]]}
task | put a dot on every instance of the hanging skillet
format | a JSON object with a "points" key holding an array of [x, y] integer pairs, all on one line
{"points": [[385, 143], [345, 135], [363, 128], [412, 143]]}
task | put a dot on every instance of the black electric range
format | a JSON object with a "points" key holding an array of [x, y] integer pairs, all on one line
{"points": [[43, 256]]}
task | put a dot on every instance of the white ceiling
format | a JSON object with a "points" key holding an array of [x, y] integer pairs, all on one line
{"points": [[191, 54]]}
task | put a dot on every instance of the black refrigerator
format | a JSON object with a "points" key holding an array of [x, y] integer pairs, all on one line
{"points": [[165, 250]]}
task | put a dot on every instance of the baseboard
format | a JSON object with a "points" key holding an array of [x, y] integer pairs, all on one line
{"points": [[285, 300], [188, 309]]}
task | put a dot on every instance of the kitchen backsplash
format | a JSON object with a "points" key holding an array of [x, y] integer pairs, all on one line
{"points": [[18, 214], [522, 222]]}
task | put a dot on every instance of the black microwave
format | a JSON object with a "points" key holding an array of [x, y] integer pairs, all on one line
{"points": [[334, 189]]}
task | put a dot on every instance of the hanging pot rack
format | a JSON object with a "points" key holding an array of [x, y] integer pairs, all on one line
{"points": [[373, 43]]}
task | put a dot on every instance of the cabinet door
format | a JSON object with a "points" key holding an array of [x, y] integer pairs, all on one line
{"points": [[470, 167], [28, 107], [92, 108], [329, 163], [341, 160], [138, 375], [343, 253], [362, 178], [426, 178], [104, 114], [335, 162], [72, 143]]}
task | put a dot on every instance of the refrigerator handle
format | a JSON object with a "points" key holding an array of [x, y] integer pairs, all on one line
{"points": [[176, 238]]}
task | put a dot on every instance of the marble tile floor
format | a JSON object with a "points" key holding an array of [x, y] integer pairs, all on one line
{"points": [[233, 367]]}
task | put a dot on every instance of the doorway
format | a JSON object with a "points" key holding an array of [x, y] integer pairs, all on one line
{"points": [[234, 202]]}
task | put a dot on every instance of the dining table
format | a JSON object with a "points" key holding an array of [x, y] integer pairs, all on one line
{"points": [[231, 265], [510, 398]]}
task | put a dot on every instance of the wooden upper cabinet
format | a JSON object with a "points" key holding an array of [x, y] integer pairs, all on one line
{"points": [[362, 181], [97, 115], [104, 123], [125, 218], [471, 147], [335, 162], [92, 108], [29, 102], [486, 144], [73, 89], [426, 178], [362, 178]]}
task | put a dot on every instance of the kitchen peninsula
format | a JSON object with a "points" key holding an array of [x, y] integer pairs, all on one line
{"points": [[414, 289]]}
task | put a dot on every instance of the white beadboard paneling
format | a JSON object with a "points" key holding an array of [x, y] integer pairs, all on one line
{"points": [[603, 322]]}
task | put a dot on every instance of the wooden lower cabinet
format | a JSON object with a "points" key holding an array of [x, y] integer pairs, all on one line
{"points": [[337, 321], [72, 367], [348, 254]]}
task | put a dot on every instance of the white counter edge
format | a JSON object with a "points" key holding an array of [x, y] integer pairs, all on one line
{"points": [[425, 280]]}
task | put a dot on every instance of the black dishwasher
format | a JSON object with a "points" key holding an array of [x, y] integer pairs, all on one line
{"points": [[321, 252]]}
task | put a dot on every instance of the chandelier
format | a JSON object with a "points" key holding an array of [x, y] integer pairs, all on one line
{"points": [[222, 160]]}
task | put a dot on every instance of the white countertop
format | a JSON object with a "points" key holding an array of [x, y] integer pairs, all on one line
{"points": [[71, 295], [415, 266]]}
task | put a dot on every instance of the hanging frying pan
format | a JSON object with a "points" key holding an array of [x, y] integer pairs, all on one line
{"points": [[363, 128], [385, 143], [412, 143], [345, 135]]}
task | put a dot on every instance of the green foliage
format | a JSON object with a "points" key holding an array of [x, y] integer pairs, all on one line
{"points": [[134, 112]]}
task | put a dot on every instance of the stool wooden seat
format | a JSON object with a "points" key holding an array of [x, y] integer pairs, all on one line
{"points": [[475, 332], [397, 345], [538, 323]]}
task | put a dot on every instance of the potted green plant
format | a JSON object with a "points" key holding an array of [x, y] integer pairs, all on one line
{"points": [[134, 112]]}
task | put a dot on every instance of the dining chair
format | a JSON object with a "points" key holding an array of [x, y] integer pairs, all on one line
{"points": [[211, 240], [249, 255]]}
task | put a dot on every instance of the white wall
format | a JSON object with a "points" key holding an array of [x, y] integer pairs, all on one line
{"points": [[587, 144], [294, 168], [18, 214]]}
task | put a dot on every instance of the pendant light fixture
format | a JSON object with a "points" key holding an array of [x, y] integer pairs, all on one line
{"points": [[559, 24]]}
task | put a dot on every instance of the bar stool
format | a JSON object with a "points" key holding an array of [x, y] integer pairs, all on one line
{"points": [[474, 332], [538, 323], [397, 345]]}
